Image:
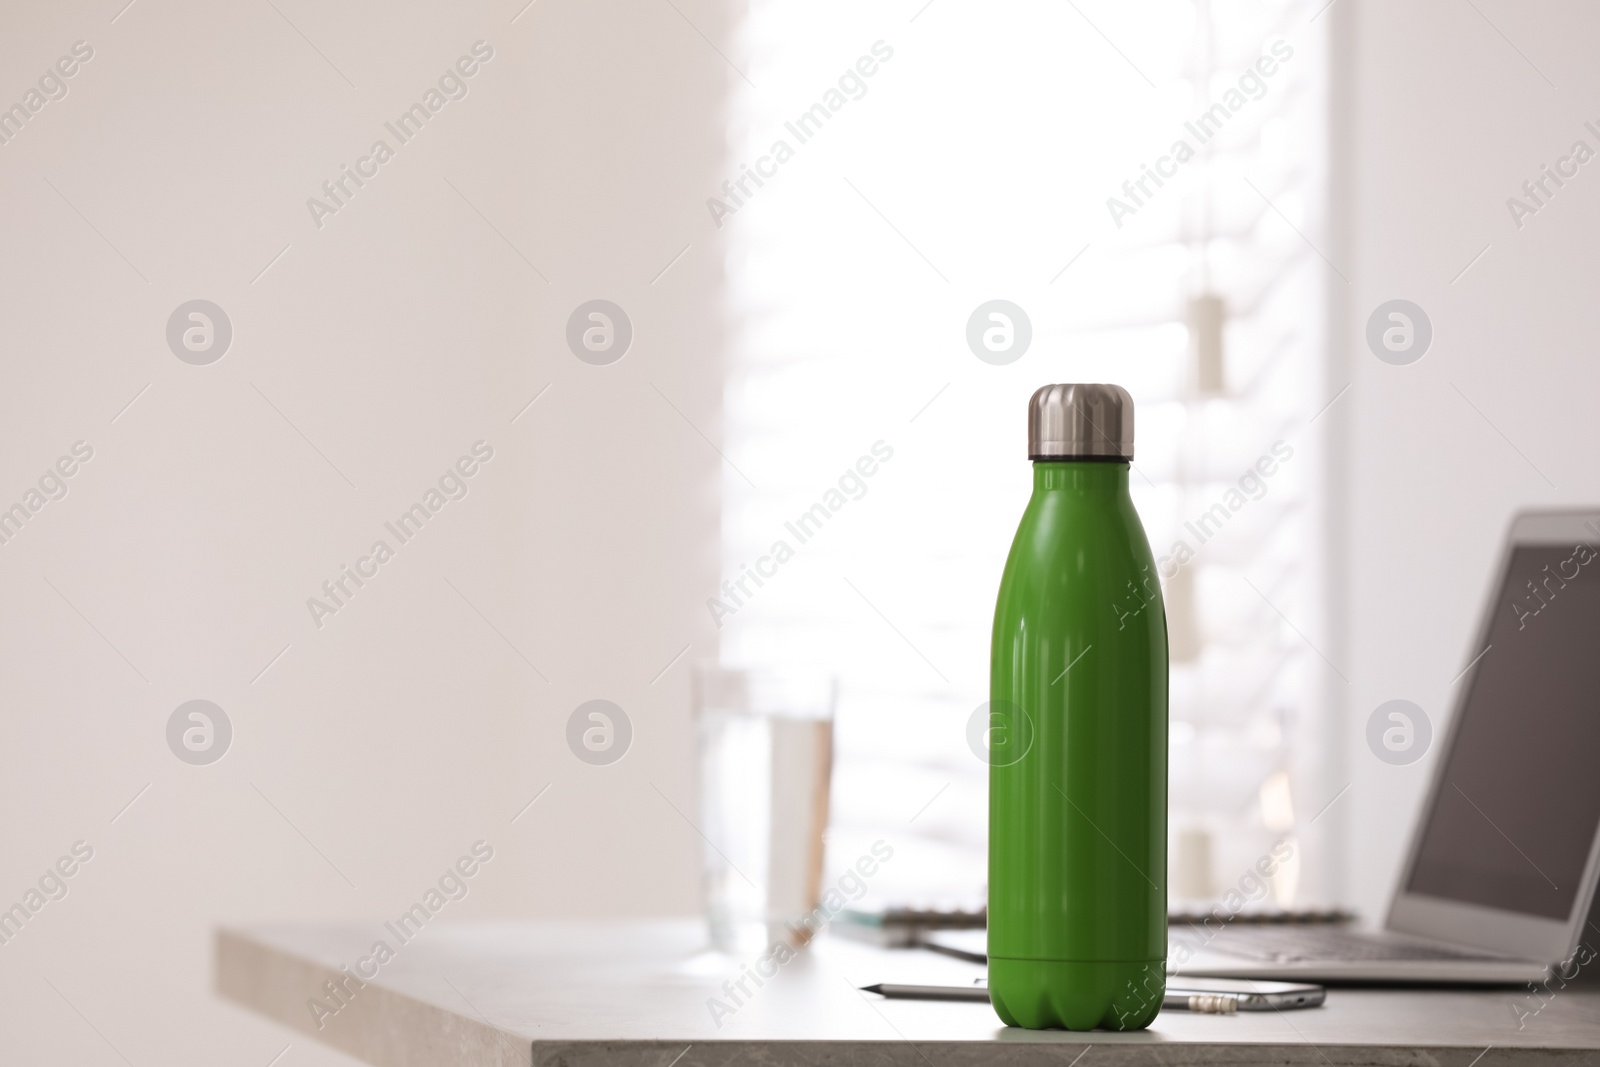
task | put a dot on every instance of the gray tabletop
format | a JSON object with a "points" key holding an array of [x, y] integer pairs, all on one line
{"points": [[580, 994]]}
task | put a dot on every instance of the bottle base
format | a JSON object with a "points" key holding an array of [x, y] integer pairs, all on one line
{"points": [[1077, 995]]}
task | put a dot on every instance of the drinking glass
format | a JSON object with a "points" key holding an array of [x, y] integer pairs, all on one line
{"points": [[766, 757]]}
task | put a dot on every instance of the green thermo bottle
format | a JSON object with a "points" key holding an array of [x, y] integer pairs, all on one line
{"points": [[1078, 735]]}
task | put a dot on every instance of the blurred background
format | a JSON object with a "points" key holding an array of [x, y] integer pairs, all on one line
{"points": [[771, 331]]}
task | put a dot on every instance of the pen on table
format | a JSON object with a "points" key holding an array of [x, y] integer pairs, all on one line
{"points": [[1175, 1000], [896, 991]]}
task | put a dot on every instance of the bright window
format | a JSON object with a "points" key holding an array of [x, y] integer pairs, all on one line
{"points": [[975, 162]]}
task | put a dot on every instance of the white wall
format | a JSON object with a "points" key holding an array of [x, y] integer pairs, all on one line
{"points": [[392, 338], [1441, 119]]}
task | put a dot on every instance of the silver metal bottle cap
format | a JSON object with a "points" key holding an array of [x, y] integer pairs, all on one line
{"points": [[1081, 422]]}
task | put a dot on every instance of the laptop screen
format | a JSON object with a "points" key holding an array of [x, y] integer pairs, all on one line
{"points": [[1515, 809]]}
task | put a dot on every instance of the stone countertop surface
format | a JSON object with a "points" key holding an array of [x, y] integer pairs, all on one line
{"points": [[577, 994]]}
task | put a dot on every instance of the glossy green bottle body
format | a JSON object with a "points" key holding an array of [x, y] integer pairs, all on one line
{"points": [[1078, 761]]}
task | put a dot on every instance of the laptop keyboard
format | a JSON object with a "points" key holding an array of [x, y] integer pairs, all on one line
{"points": [[1321, 944]]}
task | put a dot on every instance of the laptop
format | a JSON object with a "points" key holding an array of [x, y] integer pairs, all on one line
{"points": [[1500, 875]]}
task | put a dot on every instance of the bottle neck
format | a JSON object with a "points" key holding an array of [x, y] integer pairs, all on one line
{"points": [[1080, 476]]}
